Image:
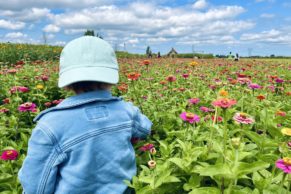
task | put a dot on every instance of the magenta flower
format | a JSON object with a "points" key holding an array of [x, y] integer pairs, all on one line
{"points": [[146, 147], [254, 86], [194, 100], [28, 106], [284, 164], [9, 155], [243, 118], [190, 117], [278, 80]]}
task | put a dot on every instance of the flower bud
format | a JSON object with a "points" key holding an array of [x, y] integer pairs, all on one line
{"points": [[235, 142], [152, 164]]}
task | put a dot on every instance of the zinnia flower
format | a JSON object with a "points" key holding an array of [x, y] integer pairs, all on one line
{"points": [[224, 103], [223, 93], [171, 78], [284, 164], [185, 75], [243, 118], [204, 109], [194, 100], [28, 106], [281, 113], [254, 86], [286, 131], [146, 62], [133, 76], [189, 117], [9, 155], [146, 147], [278, 80], [260, 97]]}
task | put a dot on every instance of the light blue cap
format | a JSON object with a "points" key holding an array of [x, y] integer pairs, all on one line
{"points": [[88, 59]]}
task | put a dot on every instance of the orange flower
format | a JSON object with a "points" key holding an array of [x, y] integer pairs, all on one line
{"points": [[133, 76], [146, 62], [123, 87], [261, 97], [223, 93]]}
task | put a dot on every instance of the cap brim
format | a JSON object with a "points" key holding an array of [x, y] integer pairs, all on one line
{"points": [[99, 74]]}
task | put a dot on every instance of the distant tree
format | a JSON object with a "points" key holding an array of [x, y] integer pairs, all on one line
{"points": [[272, 56], [159, 54], [89, 33], [92, 33]]}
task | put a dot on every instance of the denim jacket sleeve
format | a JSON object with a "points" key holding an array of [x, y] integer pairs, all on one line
{"points": [[38, 172], [141, 124]]}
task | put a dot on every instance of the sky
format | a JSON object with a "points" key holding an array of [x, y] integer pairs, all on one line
{"points": [[247, 27]]}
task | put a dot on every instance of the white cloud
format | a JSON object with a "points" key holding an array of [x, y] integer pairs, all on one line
{"points": [[267, 15], [31, 14], [19, 4], [152, 21], [271, 36], [51, 28], [5, 24], [200, 4], [15, 35]]}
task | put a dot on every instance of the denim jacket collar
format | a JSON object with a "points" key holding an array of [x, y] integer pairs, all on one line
{"points": [[80, 99]]}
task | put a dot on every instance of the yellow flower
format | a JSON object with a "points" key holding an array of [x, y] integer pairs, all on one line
{"points": [[286, 131], [193, 63], [223, 93], [39, 86]]}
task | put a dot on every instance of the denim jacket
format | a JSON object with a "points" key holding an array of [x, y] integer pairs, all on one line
{"points": [[82, 146]]}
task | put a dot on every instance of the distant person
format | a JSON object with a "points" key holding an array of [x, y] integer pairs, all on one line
{"points": [[236, 57], [230, 56], [83, 144]]}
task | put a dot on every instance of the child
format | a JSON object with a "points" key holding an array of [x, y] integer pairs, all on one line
{"points": [[82, 146]]}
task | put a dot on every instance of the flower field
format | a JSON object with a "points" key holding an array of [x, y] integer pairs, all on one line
{"points": [[219, 126]]}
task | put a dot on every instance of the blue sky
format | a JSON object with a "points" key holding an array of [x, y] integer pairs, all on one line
{"points": [[209, 26]]}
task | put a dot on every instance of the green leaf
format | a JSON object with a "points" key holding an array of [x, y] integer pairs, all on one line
{"points": [[247, 168], [193, 183], [205, 190]]}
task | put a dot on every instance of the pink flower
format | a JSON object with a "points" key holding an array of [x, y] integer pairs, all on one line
{"points": [[189, 117], [9, 155], [243, 118], [205, 109], [224, 103], [185, 75], [4, 110], [194, 100], [254, 86], [284, 164], [146, 147], [243, 80], [171, 78], [19, 88], [28, 106]]}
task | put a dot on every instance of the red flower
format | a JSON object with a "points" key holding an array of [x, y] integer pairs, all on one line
{"points": [[171, 78], [133, 76], [6, 101], [9, 155]]}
